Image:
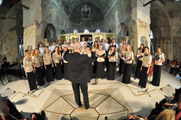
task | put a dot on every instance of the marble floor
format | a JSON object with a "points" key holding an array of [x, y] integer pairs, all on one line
{"points": [[109, 98]]}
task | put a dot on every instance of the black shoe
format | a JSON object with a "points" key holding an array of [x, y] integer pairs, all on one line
{"points": [[87, 108], [106, 118], [80, 105]]}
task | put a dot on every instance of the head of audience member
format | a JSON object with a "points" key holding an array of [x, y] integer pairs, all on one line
{"points": [[56, 49], [96, 44], [41, 45], [64, 42], [36, 52], [175, 58], [27, 53], [48, 44], [146, 50], [83, 39], [5, 59], [54, 43], [1, 107], [46, 50], [100, 47], [178, 59], [167, 114], [159, 50], [85, 45], [128, 48], [179, 102], [77, 47], [60, 47]]}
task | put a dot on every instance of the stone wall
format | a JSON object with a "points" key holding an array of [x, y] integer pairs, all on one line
{"points": [[175, 19], [117, 19], [11, 31], [128, 17], [40, 14], [52, 13], [165, 24]]}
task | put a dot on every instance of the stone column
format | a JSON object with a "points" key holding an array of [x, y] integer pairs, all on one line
{"points": [[32, 19], [140, 24]]}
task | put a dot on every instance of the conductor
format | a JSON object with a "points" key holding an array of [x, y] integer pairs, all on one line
{"points": [[78, 73]]}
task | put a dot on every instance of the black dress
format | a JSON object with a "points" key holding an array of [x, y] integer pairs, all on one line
{"points": [[94, 58], [121, 66], [39, 76], [121, 62], [49, 73], [58, 71], [157, 71], [127, 73], [100, 70], [100, 65], [32, 80], [156, 75], [31, 76], [138, 72], [65, 66], [111, 70], [143, 77]]}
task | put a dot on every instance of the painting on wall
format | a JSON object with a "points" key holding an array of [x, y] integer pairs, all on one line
{"points": [[144, 40], [29, 48]]}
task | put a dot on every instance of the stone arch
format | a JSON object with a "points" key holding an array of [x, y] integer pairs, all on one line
{"points": [[162, 32], [50, 33]]}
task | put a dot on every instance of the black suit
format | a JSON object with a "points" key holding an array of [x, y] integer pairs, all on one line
{"points": [[78, 74]]}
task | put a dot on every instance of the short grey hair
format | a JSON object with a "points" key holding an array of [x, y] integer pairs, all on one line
{"points": [[77, 45]]}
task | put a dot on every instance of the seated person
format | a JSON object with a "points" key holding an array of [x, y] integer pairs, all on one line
{"points": [[167, 114], [135, 117], [5, 64], [9, 111], [36, 116]]}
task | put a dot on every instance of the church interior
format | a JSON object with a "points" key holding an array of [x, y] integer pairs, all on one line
{"points": [[27, 26]]}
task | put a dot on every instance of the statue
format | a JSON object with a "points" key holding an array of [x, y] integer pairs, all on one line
{"points": [[85, 11]]}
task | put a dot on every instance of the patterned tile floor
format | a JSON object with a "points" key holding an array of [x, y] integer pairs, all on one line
{"points": [[109, 98]]}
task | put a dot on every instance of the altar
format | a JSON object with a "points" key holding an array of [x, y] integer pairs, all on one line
{"points": [[73, 36]]}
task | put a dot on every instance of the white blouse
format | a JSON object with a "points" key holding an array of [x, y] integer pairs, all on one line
{"points": [[100, 53]]}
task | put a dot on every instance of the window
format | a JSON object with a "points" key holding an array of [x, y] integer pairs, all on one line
{"points": [[75, 31], [98, 31], [86, 31], [1, 1]]}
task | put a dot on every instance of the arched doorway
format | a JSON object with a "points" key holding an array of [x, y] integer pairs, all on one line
{"points": [[50, 33], [161, 30]]}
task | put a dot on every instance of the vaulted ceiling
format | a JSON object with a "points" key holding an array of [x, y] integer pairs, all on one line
{"points": [[69, 5]]}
